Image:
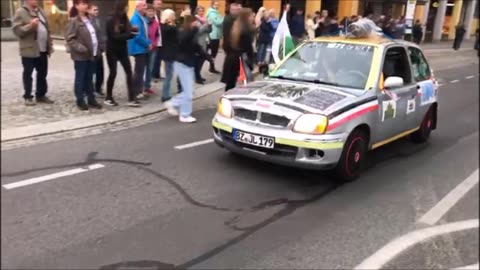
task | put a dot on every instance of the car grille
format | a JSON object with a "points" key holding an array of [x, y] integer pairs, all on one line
{"points": [[278, 150], [262, 117]]}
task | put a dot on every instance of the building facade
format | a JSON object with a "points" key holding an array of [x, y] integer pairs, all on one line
{"points": [[439, 16]]}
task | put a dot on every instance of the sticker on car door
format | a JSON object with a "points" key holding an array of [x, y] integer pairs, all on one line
{"points": [[427, 92]]}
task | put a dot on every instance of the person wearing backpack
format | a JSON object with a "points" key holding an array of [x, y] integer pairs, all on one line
{"points": [[31, 27]]}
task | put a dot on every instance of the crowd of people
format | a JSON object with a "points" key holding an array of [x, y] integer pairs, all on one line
{"points": [[156, 37]]}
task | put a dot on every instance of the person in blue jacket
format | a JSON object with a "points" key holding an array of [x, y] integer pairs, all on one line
{"points": [[139, 46]]}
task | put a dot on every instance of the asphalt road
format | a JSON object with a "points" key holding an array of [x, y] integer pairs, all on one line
{"points": [[129, 199]]}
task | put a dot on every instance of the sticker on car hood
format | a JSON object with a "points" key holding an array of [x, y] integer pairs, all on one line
{"points": [[306, 95], [320, 99]]}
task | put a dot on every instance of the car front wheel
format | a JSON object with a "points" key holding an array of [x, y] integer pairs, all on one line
{"points": [[353, 157]]}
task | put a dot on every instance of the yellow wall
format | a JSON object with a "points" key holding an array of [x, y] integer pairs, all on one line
{"points": [[131, 7], [275, 4], [474, 26], [457, 9], [311, 6], [347, 8], [419, 11], [204, 3]]}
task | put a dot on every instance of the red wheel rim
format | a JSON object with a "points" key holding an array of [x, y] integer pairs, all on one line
{"points": [[357, 157], [352, 163]]}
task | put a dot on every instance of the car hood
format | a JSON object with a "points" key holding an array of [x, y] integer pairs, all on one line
{"points": [[313, 96]]}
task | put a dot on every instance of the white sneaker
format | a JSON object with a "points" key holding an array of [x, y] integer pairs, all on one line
{"points": [[170, 108], [188, 119]]}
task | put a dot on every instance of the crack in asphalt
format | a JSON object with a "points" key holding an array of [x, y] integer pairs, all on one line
{"points": [[290, 206]]}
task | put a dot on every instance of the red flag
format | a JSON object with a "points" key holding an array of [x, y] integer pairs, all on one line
{"points": [[242, 77]]}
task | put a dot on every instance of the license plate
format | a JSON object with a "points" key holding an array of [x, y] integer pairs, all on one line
{"points": [[252, 139]]}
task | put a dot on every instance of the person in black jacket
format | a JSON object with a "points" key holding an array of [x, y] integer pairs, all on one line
{"points": [[227, 26], [459, 34], [119, 31], [169, 48], [184, 67], [417, 32], [240, 46]]}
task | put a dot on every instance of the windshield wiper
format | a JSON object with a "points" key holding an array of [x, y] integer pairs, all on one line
{"points": [[305, 80], [285, 78], [323, 82]]}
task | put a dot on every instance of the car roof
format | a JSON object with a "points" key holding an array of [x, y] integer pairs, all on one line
{"points": [[374, 40]]}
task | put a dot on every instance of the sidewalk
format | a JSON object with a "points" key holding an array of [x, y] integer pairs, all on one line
{"points": [[20, 122], [446, 46]]}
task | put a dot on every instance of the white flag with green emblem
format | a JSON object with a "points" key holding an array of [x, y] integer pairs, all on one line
{"points": [[282, 41]]}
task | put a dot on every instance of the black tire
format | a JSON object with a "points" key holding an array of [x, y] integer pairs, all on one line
{"points": [[422, 135], [353, 157]]}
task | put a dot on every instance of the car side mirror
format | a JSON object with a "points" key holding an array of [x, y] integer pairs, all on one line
{"points": [[393, 82]]}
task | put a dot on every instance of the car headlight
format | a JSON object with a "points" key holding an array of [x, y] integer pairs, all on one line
{"points": [[225, 108], [311, 124]]}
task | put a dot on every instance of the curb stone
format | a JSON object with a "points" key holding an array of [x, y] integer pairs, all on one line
{"points": [[107, 118]]}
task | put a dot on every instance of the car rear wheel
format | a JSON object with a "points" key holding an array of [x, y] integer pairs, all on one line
{"points": [[353, 157], [422, 134]]}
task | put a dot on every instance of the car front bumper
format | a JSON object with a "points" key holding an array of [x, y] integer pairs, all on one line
{"points": [[291, 149]]}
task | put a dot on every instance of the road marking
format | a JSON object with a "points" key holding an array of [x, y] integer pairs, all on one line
{"points": [[468, 267], [440, 84], [442, 207], [469, 77], [194, 144], [454, 81], [397, 246], [52, 176]]}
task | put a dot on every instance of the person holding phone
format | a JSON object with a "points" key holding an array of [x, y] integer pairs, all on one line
{"points": [[119, 31], [31, 27], [139, 46]]}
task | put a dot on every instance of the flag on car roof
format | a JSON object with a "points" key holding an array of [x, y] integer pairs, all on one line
{"points": [[282, 41]]}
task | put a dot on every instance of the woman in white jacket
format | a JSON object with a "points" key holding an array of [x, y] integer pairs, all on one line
{"points": [[311, 27]]}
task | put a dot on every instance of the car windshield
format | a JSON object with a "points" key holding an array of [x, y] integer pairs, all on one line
{"points": [[338, 64]]}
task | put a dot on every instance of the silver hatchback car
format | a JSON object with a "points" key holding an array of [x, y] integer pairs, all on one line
{"points": [[329, 102]]}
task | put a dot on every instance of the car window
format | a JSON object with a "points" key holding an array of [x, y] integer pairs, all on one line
{"points": [[396, 64], [421, 70], [339, 64]]}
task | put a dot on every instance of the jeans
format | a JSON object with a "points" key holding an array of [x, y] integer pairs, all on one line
{"points": [[98, 71], [112, 59], [184, 99], [40, 64], [157, 63], [83, 81], [261, 52], [149, 69], [168, 79], [139, 72]]}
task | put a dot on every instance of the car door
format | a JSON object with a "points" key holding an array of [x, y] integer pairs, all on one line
{"points": [[393, 102], [425, 84]]}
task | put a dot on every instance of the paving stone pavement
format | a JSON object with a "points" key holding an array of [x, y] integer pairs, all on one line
{"points": [[60, 89], [60, 78]]}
